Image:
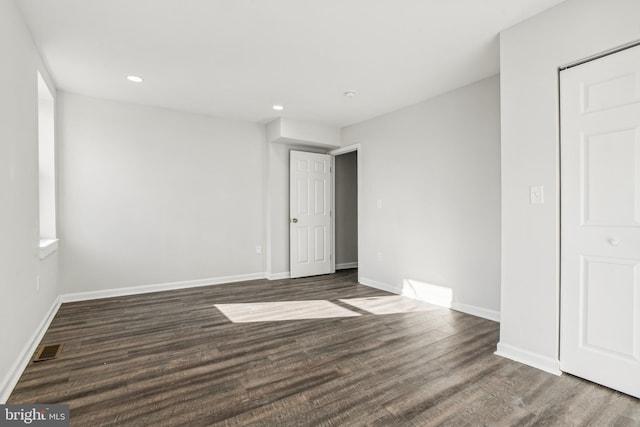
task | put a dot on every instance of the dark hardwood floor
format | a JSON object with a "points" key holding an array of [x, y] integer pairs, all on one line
{"points": [[172, 358]]}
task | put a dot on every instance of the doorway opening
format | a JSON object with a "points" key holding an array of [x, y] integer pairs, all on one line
{"points": [[346, 210], [323, 240], [346, 207]]}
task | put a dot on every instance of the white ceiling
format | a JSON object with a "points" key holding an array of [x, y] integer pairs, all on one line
{"points": [[236, 58]]}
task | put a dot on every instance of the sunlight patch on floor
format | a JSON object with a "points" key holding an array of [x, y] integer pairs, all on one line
{"points": [[389, 304], [283, 310]]}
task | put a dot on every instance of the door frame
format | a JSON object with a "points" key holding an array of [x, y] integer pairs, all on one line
{"points": [[333, 154]]}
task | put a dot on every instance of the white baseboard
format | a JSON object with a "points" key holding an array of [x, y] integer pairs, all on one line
{"points": [[347, 265], [477, 311], [7, 385], [278, 276], [520, 355], [134, 290], [380, 285], [465, 308]]}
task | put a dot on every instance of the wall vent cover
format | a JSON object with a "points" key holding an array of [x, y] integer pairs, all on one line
{"points": [[48, 352]]}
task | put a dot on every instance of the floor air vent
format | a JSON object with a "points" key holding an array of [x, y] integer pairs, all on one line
{"points": [[48, 352]]}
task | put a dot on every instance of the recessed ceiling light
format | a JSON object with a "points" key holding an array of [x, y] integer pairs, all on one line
{"points": [[135, 79], [278, 107], [350, 93]]}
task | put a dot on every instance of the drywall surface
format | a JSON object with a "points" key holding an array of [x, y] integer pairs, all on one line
{"points": [[22, 306], [531, 54], [278, 210], [430, 195], [152, 196], [296, 132], [346, 208]]}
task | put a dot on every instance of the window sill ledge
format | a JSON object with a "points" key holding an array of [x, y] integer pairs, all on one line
{"points": [[47, 247]]}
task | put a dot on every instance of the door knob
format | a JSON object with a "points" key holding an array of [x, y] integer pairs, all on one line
{"points": [[294, 220], [613, 241]]}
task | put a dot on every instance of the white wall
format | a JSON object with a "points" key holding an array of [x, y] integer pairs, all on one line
{"points": [[152, 196], [346, 208], [278, 210], [531, 53], [292, 132], [22, 307], [435, 167]]}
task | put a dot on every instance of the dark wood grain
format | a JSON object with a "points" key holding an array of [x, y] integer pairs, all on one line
{"points": [[171, 358]]}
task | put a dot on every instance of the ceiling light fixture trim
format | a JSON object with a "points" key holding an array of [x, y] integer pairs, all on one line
{"points": [[135, 79]]}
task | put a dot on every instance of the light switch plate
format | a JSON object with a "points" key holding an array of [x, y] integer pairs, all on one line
{"points": [[536, 194]]}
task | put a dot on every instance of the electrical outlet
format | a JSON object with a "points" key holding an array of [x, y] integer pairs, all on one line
{"points": [[38, 284], [258, 249], [379, 256], [379, 204]]}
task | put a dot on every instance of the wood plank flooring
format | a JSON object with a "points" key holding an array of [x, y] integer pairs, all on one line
{"points": [[172, 358]]}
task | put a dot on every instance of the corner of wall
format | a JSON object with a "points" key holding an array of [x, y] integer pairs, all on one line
{"points": [[527, 357], [8, 383]]}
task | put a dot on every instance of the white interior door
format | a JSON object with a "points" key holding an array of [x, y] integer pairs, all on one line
{"points": [[600, 238], [310, 213]]}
